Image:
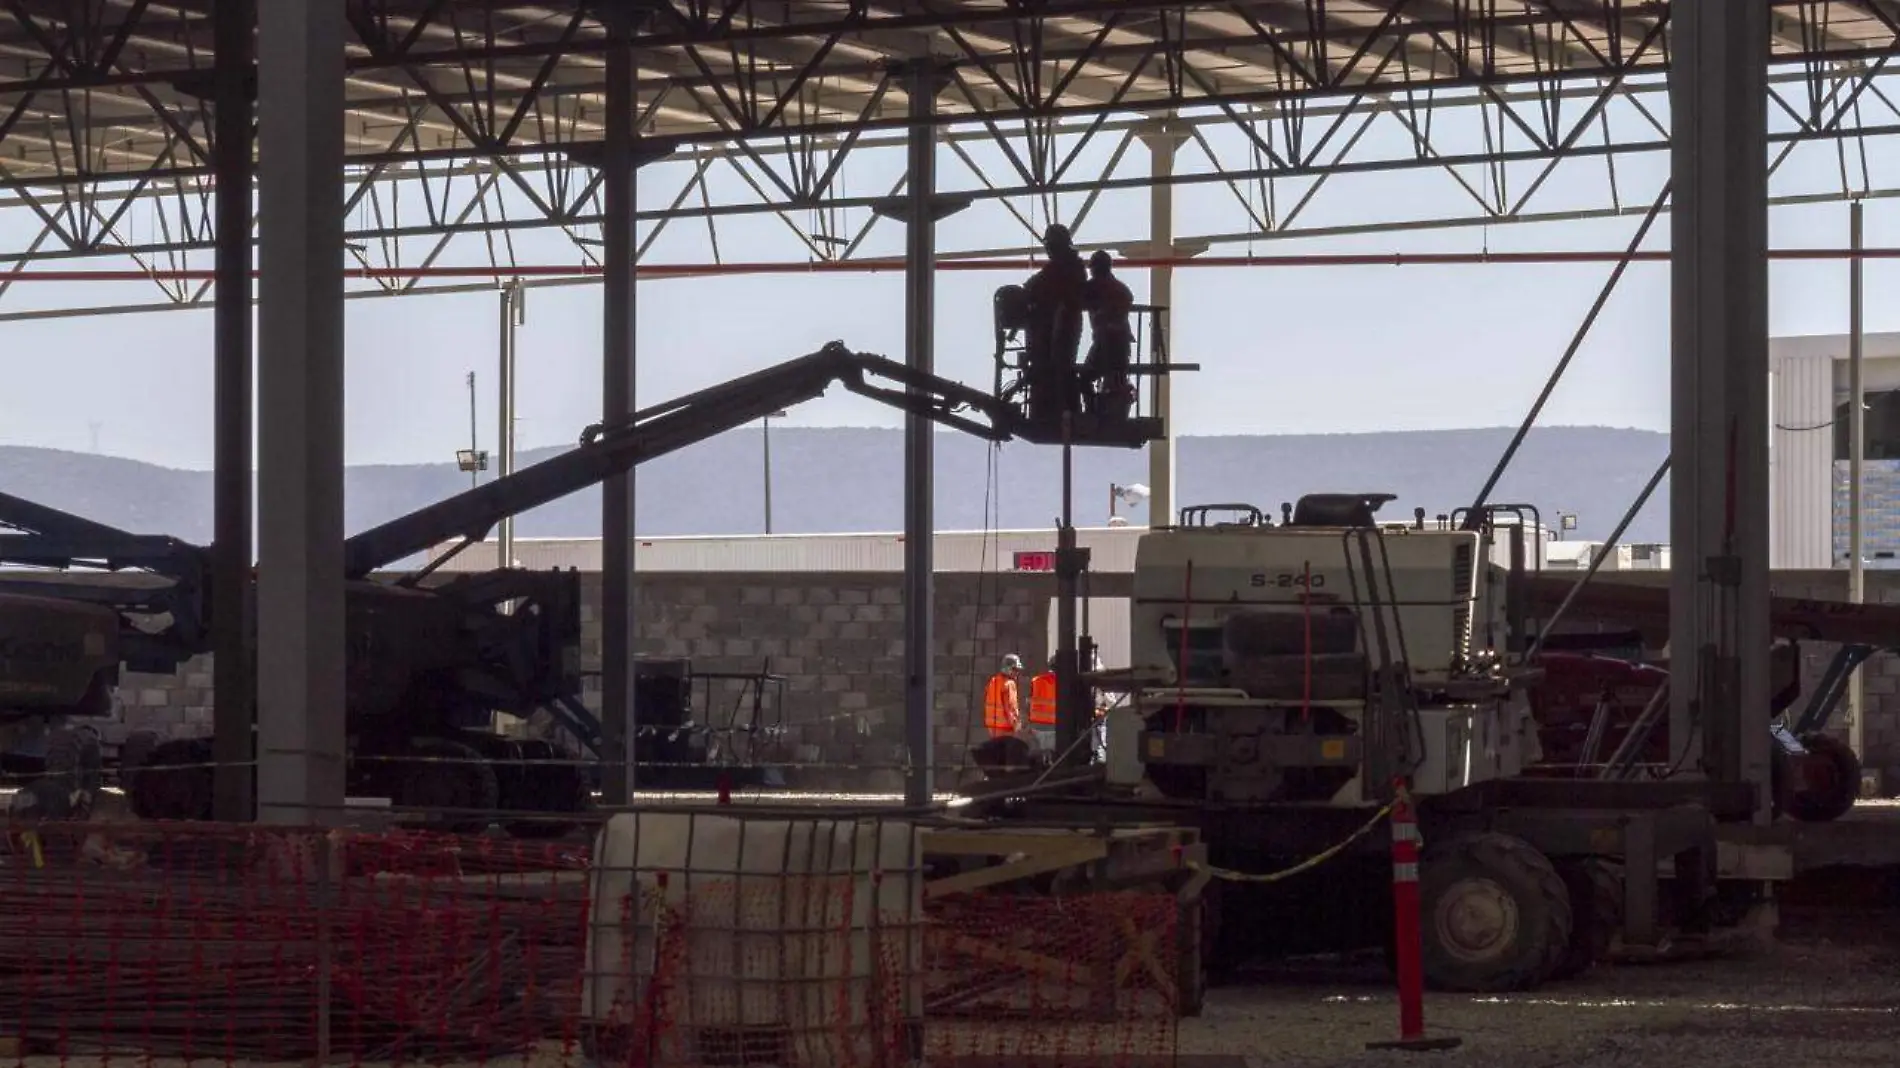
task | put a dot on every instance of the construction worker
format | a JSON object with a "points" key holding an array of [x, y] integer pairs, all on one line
{"points": [[1111, 339], [1042, 707], [1098, 742], [1055, 326], [1002, 701]]}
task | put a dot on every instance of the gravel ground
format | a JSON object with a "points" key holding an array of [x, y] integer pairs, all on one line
{"points": [[1827, 993]]}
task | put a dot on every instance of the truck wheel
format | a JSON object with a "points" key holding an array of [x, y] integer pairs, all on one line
{"points": [[134, 753], [556, 790], [1825, 803], [1198, 934], [174, 782], [436, 774], [1596, 913], [1495, 916]]}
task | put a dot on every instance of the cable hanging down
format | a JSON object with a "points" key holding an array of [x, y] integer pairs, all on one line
{"points": [[1314, 861]]}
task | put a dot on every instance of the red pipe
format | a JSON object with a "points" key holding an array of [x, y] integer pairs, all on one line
{"points": [[702, 270]]}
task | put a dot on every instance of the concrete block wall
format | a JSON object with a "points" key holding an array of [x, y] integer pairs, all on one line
{"points": [[837, 637], [839, 640], [175, 706]]}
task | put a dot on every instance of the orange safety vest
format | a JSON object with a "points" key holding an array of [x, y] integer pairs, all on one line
{"points": [[999, 705], [1042, 699]]}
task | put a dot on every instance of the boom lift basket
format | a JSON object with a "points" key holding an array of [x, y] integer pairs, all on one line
{"points": [[1044, 424]]}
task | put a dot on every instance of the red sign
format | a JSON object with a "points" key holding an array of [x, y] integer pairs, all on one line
{"points": [[1036, 561]]}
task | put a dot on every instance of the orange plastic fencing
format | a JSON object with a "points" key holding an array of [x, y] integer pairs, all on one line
{"points": [[248, 945], [1091, 979]]}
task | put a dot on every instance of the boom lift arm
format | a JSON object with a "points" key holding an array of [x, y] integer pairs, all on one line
{"points": [[607, 450], [52, 539], [42, 537]]}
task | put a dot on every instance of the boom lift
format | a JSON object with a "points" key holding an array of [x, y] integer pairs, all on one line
{"points": [[429, 659]]}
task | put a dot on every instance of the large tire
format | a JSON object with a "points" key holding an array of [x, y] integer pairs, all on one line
{"points": [[134, 753], [1596, 913], [1828, 803], [556, 790], [175, 782], [436, 773], [1494, 913], [1198, 943]]}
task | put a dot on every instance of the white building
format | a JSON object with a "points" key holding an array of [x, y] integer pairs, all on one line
{"points": [[1808, 450], [1578, 555]]}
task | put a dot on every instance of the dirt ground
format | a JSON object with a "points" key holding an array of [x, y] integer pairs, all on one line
{"points": [[1827, 992]]}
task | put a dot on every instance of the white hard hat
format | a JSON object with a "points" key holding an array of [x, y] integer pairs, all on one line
{"points": [[1012, 662]]}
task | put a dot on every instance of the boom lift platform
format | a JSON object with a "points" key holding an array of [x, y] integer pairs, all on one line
{"points": [[429, 659]]}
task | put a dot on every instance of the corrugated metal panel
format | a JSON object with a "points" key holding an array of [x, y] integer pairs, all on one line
{"points": [[1801, 455], [1112, 551]]}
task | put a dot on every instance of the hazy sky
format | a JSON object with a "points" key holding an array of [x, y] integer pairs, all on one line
{"points": [[1284, 349]]}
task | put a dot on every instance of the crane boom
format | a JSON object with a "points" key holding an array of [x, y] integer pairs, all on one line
{"points": [[608, 450]]}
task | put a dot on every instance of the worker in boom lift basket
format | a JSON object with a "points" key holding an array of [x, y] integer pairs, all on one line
{"points": [[1098, 731], [1110, 307], [1002, 700], [1055, 327]]}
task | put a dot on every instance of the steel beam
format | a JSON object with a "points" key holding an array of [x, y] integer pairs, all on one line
{"points": [[618, 715], [300, 655], [1856, 467], [1163, 139], [923, 81], [1719, 356], [234, 694], [513, 314], [425, 229]]}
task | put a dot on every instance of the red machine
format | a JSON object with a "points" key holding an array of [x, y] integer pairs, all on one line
{"points": [[1589, 705]]}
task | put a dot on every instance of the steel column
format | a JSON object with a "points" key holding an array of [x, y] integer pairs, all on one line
{"points": [[1163, 138], [920, 323], [1856, 467], [1719, 355], [300, 654], [234, 694], [618, 715], [513, 311]]}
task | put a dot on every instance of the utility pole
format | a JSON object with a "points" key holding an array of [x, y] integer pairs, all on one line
{"points": [[472, 459], [513, 314], [474, 444], [768, 467]]}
